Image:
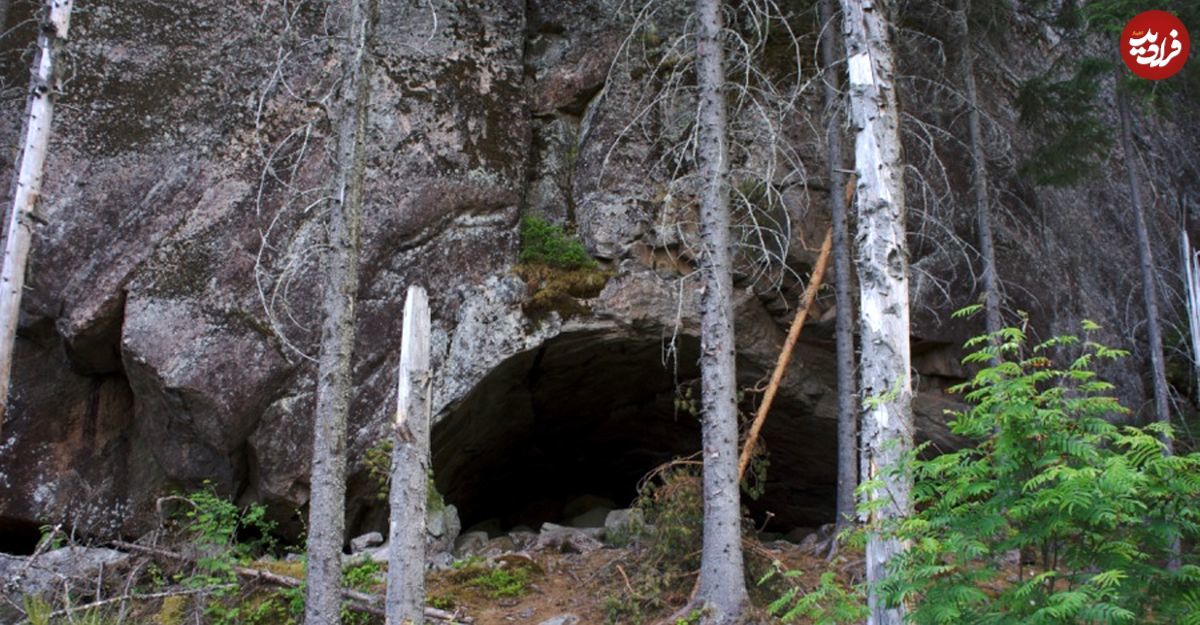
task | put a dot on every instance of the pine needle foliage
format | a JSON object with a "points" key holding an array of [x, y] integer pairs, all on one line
{"points": [[1073, 139], [1056, 515], [547, 244]]}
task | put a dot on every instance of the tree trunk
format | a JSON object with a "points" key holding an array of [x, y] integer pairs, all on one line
{"points": [[410, 468], [722, 588], [883, 288], [1191, 288], [1146, 262], [847, 412], [979, 180], [19, 236], [326, 525]]}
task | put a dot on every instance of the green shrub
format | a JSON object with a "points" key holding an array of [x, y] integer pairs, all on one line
{"points": [[1055, 515], [1072, 138], [666, 549], [365, 576], [508, 578], [544, 243], [831, 602], [378, 462], [226, 536], [499, 583]]}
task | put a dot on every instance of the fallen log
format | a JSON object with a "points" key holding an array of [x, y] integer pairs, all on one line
{"points": [[359, 601]]}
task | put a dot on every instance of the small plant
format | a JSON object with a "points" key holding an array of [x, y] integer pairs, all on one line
{"points": [[37, 610], [171, 611], [668, 548], [557, 270], [441, 602], [214, 524], [544, 243], [830, 603], [496, 580], [378, 461], [52, 537], [502, 582], [364, 576]]}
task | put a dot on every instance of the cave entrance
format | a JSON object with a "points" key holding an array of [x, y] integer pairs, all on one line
{"points": [[573, 425]]}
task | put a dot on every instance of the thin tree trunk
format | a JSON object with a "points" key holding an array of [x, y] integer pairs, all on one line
{"points": [[410, 468], [1191, 272], [979, 180], [326, 526], [883, 288], [722, 588], [1146, 262], [1158, 369], [847, 412], [19, 236]]}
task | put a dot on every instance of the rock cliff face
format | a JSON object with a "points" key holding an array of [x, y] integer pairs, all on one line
{"points": [[169, 327]]}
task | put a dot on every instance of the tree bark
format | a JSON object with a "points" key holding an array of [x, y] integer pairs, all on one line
{"points": [[847, 412], [1191, 288], [883, 288], [410, 468], [722, 588], [979, 179], [1146, 263], [326, 525], [19, 236]]}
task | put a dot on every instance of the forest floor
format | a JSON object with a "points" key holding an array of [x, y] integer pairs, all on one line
{"points": [[599, 587]]}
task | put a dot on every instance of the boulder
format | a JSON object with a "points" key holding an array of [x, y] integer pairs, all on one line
{"points": [[443, 527], [360, 544], [626, 519], [470, 543], [32, 575], [569, 539], [592, 518], [561, 619]]}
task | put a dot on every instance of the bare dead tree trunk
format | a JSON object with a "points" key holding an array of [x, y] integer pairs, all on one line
{"points": [[21, 217], [410, 468], [979, 178], [883, 287], [1146, 263], [722, 588], [1191, 288], [326, 525], [847, 412]]}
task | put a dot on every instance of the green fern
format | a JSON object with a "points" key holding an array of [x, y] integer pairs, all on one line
{"points": [[1093, 508]]}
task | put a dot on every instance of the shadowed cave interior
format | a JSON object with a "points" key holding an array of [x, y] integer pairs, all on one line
{"points": [[553, 431]]}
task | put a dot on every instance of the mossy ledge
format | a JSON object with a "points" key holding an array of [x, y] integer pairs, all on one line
{"points": [[553, 289]]}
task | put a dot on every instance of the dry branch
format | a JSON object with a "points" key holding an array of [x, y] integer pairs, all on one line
{"points": [[785, 355]]}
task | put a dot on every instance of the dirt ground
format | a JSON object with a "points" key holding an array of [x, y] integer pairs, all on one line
{"points": [[585, 585]]}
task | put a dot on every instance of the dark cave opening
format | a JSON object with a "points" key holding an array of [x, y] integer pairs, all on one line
{"points": [[18, 537], [576, 423]]}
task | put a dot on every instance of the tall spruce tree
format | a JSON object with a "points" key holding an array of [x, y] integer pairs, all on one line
{"points": [[721, 590]]}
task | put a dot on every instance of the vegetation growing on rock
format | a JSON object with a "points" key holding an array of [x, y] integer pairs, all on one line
{"points": [[557, 270]]}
